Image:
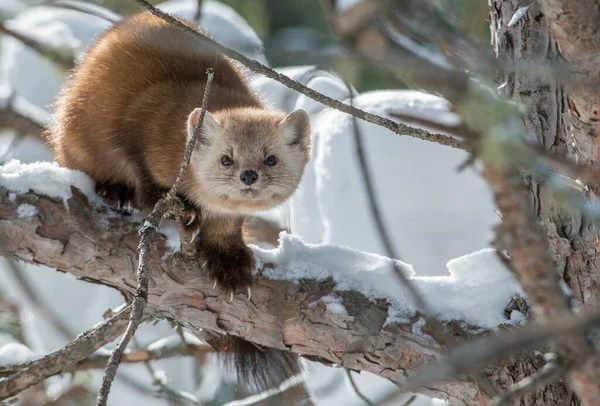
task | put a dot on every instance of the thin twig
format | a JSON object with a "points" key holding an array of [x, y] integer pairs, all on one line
{"points": [[356, 390], [98, 361], [146, 233], [257, 67], [85, 344], [390, 250]]}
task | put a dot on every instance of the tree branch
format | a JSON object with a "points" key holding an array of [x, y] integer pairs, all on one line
{"points": [[60, 360], [98, 246], [99, 361]]}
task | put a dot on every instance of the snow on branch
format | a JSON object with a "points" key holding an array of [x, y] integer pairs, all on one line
{"points": [[327, 303]]}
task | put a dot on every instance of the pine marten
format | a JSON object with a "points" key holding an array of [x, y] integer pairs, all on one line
{"points": [[125, 118]]}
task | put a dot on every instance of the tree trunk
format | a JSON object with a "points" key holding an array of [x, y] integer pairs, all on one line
{"points": [[571, 237]]}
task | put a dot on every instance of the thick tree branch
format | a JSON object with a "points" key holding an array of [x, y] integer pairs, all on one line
{"points": [[98, 246]]}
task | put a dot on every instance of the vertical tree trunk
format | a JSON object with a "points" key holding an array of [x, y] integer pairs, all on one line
{"points": [[548, 121]]}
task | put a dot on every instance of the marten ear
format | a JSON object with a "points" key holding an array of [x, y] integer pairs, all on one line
{"points": [[210, 126], [295, 129]]}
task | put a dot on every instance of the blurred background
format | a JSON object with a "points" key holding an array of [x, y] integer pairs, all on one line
{"points": [[434, 212]]}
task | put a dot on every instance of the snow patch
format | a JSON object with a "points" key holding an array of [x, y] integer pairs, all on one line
{"points": [[26, 210], [476, 291], [333, 303], [46, 178], [15, 353], [223, 23], [169, 230]]}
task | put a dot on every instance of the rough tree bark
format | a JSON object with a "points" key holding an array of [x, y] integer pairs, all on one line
{"points": [[100, 247], [548, 121]]}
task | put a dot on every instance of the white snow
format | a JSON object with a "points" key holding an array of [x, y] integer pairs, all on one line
{"points": [[26, 210], [432, 212], [31, 76], [15, 353], [476, 290], [57, 36], [46, 178], [333, 304], [169, 230], [223, 23]]}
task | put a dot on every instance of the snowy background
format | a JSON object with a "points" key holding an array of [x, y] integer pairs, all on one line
{"points": [[434, 213]]}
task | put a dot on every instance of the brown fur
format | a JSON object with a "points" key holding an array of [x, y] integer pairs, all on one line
{"points": [[129, 110], [125, 119]]}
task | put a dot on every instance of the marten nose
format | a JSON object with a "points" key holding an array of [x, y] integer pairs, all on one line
{"points": [[249, 177]]}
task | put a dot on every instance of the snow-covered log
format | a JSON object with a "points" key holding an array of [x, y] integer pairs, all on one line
{"points": [[327, 303]]}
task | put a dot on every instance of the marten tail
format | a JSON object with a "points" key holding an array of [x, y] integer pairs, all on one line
{"points": [[259, 368]]}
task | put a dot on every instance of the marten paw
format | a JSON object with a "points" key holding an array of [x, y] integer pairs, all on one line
{"points": [[119, 197], [190, 222], [230, 268]]}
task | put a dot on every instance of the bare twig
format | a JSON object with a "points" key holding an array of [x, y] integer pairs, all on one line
{"points": [[390, 250], [146, 233], [173, 395], [356, 390], [257, 67], [98, 361], [59, 360]]}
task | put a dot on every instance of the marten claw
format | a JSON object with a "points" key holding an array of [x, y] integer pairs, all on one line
{"points": [[231, 297], [249, 293], [191, 220], [214, 285], [194, 237]]}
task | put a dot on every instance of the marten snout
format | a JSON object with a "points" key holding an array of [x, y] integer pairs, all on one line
{"points": [[249, 177]]}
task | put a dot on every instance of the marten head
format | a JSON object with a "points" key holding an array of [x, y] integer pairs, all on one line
{"points": [[247, 160]]}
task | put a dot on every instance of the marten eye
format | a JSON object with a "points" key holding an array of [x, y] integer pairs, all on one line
{"points": [[226, 161], [271, 160]]}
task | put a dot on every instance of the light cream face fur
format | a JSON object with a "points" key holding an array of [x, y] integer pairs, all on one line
{"points": [[275, 147]]}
